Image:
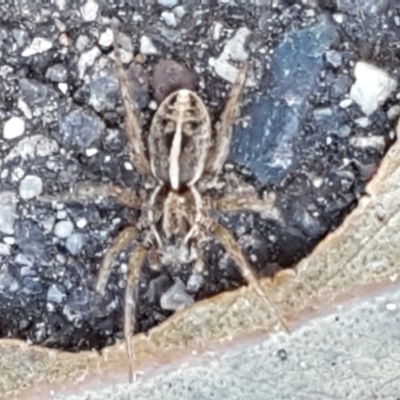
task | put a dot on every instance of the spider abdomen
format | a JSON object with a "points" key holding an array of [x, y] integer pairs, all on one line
{"points": [[179, 139]]}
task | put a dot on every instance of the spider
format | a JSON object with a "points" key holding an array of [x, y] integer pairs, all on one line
{"points": [[179, 158]]}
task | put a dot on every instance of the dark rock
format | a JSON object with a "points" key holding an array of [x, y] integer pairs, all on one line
{"points": [[266, 147], [168, 76], [80, 128]]}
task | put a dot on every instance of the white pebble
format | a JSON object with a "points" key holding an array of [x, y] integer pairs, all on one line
{"points": [[9, 240], [5, 249], [81, 223], [147, 47], [31, 186], [106, 38], [372, 87], [168, 3], [87, 59], [91, 151], [38, 45], [63, 229], [89, 10], [169, 18], [13, 128]]}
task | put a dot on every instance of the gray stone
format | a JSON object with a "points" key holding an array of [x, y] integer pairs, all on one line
{"points": [[194, 283], [334, 58], [54, 294], [80, 127], [104, 93], [176, 298], [30, 187], [168, 3], [35, 93], [5, 249], [169, 18], [8, 206], [32, 147], [57, 73], [63, 229], [75, 243], [20, 36]]}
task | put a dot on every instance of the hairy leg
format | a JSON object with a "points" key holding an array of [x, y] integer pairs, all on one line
{"points": [[123, 239], [224, 127], [231, 246], [136, 261], [132, 127], [248, 202], [91, 192]]}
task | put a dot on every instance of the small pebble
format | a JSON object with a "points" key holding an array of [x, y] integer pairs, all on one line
{"points": [[57, 73], [372, 87], [81, 223], [8, 205], [176, 298], [30, 187], [169, 18], [89, 10], [13, 128], [63, 229], [54, 294], [75, 243], [147, 47], [61, 214], [168, 3], [5, 249], [106, 38]]}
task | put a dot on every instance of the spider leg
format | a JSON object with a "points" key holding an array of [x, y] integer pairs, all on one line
{"points": [[89, 191], [231, 246], [123, 239], [132, 127], [231, 203], [224, 127], [136, 261]]}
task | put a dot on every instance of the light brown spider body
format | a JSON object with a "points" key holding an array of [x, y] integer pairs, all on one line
{"points": [[179, 154]]}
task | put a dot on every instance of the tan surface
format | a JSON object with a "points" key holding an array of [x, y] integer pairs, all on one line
{"points": [[354, 259]]}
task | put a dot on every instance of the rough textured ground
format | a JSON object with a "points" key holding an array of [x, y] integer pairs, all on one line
{"points": [[342, 308], [300, 138]]}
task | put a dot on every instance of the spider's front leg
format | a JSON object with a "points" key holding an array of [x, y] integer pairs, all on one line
{"points": [[231, 246], [132, 127], [219, 154]]}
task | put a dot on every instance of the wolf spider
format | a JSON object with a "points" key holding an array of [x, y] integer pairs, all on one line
{"points": [[179, 158]]}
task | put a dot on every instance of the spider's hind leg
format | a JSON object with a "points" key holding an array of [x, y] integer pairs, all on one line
{"points": [[136, 261], [132, 127], [232, 247], [122, 240]]}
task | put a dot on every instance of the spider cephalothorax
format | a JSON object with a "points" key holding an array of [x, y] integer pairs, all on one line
{"points": [[180, 155]]}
